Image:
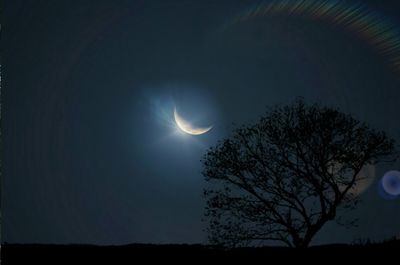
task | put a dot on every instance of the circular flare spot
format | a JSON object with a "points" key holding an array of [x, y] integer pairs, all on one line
{"points": [[391, 182]]}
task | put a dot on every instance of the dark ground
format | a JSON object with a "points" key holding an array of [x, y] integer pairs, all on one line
{"points": [[76, 254]]}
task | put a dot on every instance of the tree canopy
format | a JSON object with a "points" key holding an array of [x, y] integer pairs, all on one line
{"points": [[284, 177]]}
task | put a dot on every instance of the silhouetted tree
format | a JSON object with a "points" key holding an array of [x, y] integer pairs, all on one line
{"points": [[284, 177]]}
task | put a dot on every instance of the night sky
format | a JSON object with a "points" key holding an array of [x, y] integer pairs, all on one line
{"points": [[90, 152]]}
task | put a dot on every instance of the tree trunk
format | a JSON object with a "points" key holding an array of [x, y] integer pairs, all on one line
{"points": [[302, 243]]}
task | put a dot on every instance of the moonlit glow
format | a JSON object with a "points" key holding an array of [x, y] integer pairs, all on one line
{"points": [[364, 178], [187, 127]]}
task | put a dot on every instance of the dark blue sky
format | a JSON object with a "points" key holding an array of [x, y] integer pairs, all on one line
{"points": [[89, 154]]}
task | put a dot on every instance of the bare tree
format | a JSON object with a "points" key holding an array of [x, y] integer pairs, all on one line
{"points": [[284, 177]]}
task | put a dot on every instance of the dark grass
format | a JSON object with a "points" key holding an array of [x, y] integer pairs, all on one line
{"points": [[143, 253]]}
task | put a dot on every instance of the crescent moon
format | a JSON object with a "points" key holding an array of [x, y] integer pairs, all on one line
{"points": [[186, 127]]}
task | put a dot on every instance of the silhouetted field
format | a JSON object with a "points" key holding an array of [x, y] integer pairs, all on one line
{"points": [[74, 254]]}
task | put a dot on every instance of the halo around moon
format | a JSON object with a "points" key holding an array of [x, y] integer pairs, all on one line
{"points": [[187, 127]]}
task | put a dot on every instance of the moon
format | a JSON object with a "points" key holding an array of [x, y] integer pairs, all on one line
{"points": [[187, 127]]}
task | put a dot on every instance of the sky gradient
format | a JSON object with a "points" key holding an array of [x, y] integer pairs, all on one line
{"points": [[90, 153]]}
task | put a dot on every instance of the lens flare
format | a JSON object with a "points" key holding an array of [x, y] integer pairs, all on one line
{"points": [[356, 17], [383, 193], [391, 182]]}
